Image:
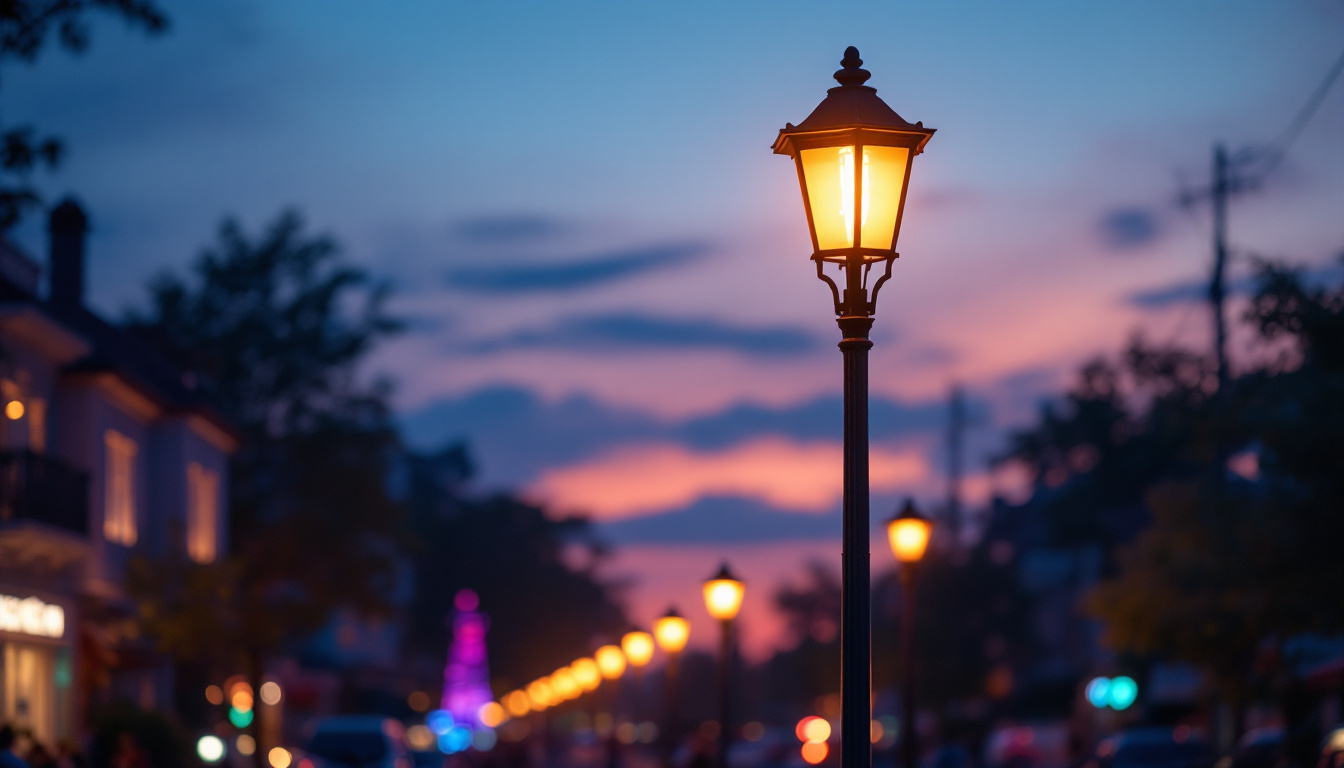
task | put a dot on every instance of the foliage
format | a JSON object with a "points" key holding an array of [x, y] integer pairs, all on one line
{"points": [[1210, 565], [545, 610], [121, 726], [274, 329], [25, 28]]}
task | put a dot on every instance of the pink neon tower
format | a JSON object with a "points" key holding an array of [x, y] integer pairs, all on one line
{"points": [[466, 678]]}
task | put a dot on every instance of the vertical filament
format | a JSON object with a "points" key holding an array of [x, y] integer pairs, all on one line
{"points": [[847, 191]]}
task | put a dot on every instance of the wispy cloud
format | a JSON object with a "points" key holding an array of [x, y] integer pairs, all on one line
{"points": [[629, 330], [653, 477], [574, 273], [1129, 228], [723, 520], [510, 229]]}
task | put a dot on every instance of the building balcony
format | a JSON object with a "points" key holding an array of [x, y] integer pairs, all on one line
{"points": [[44, 512]]}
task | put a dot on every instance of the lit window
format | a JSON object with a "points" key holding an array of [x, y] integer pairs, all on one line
{"points": [[119, 488], [202, 512], [37, 425]]}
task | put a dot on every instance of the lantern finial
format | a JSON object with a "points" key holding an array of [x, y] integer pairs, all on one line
{"points": [[852, 74]]}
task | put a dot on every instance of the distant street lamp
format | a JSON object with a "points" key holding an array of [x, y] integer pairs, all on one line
{"points": [[723, 599], [853, 155], [638, 648], [671, 631], [908, 533]]}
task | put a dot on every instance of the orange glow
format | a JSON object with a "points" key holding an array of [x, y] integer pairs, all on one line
{"points": [[214, 694], [539, 695], [610, 661], [638, 648], [909, 538], [804, 477], [813, 729], [815, 751], [491, 714], [563, 684], [270, 692], [241, 699], [279, 757], [14, 410], [516, 702], [672, 632], [723, 598], [586, 674]]}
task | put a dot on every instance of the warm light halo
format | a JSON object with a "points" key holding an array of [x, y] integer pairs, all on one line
{"points": [[610, 661], [517, 703], [723, 594], [586, 673], [563, 684], [671, 631], [638, 648], [908, 534], [539, 694]]}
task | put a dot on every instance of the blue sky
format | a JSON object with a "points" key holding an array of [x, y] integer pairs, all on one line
{"points": [[605, 265]]}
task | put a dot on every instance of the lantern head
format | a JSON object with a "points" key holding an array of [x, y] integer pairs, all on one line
{"points": [[723, 594], [908, 533], [853, 155]]}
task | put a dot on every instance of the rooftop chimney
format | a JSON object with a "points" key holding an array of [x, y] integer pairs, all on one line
{"points": [[67, 226]]}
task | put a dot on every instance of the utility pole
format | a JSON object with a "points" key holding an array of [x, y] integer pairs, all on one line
{"points": [[1222, 187], [956, 427]]}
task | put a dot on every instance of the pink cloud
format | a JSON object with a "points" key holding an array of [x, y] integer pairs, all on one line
{"points": [[648, 478]]}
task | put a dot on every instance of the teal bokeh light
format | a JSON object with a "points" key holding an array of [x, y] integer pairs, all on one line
{"points": [[1097, 691], [1122, 692]]}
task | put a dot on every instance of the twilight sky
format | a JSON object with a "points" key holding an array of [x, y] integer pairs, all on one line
{"points": [[606, 267]]}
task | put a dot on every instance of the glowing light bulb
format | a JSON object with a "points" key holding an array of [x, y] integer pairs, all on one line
{"points": [[638, 648], [610, 661], [847, 191]]}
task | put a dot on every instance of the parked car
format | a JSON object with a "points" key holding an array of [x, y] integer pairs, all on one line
{"points": [[1178, 747], [359, 742]]}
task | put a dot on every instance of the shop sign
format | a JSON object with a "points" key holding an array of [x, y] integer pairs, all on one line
{"points": [[31, 616]]}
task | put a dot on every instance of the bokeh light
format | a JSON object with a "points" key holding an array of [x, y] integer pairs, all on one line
{"points": [[815, 751], [1122, 692], [14, 410], [586, 674], [279, 757], [270, 692], [439, 721], [245, 745], [491, 714], [420, 737], [210, 748], [214, 694], [418, 701], [1097, 690], [483, 740], [240, 718], [539, 694], [517, 704], [610, 661], [672, 631], [816, 730], [241, 699], [638, 648]]}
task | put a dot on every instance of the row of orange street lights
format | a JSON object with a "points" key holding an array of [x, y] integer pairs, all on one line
{"points": [[908, 534], [723, 594]]}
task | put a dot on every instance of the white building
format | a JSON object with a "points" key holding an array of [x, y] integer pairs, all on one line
{"points": [[105, 450]]}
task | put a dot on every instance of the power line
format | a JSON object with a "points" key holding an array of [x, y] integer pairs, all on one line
{"points": [[1280, 147]]}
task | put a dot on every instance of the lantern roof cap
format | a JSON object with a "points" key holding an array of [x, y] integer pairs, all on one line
{"points": [[852, 105], [909, 512], [723, 574]]}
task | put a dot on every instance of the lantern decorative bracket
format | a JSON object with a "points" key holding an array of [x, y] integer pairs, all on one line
{"points": [[835, 289], [872, 300]]}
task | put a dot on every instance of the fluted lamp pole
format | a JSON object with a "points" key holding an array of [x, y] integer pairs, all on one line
{"points": [[853, 156]]}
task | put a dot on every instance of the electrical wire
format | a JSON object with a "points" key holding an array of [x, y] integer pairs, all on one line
{"points": [[1275, 154]]}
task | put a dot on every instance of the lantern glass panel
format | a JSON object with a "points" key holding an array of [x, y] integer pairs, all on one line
{"points": [[829, 175], [883, 179]]}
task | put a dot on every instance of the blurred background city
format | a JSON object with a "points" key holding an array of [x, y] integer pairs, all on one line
{"points": [[446, 385]]}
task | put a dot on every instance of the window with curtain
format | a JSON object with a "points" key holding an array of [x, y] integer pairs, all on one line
{"points": [[119, 488], [202, 512]]}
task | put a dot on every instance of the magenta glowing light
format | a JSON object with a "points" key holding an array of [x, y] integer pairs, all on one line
{"points": [[466, 678]]}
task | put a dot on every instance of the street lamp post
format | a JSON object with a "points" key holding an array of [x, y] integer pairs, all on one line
{"points": [[908, 533], [638, 648], [723, 599], [853, 156], [671, 631]]}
